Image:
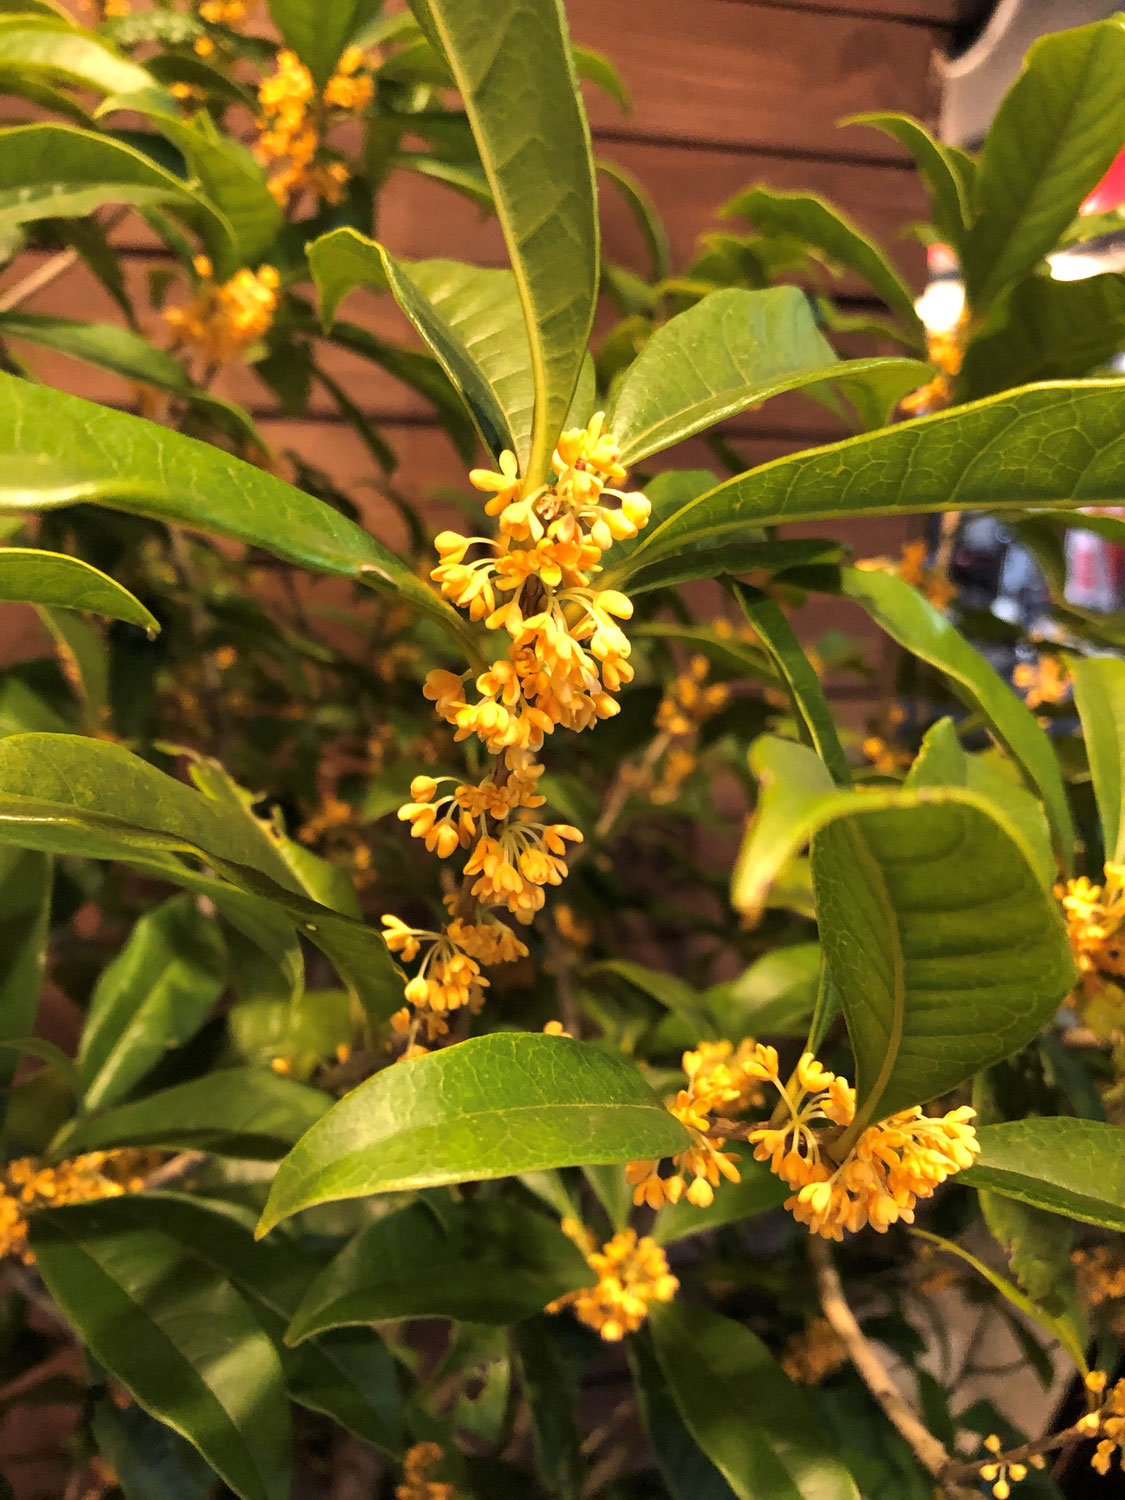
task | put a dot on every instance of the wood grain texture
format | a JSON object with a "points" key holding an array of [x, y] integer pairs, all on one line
{"points": [[757, 76], [932, 12]]}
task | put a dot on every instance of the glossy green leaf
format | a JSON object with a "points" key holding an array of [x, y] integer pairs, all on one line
{"points": [[758, 1192], [685, 1468], [753, 1423], [732, 350], [511, 62], [74, 57], [470, 319], [479, 1262], [1046, 330], [773, 997], [490, 1107], [595, 67], [30, 576], [154, 994], [228, 174], [102, 344], [1067, 1166], [945, 949], [319, 33], [1099, 694], [348, 1374], [936, 168], [59, 450], [925, 632], [57, 171], [645, 214], [249, 1112], [1038, 1245], [814, 717], [177, 1335], [942, 762], [1052, 140], [26, 881], [1046, 446], [833, 237]]}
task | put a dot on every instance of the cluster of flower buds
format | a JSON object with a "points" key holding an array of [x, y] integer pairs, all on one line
{"points": [[631, 1273], [565, 658]]}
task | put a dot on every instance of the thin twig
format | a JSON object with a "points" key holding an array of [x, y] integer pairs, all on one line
{"points": [[36, 280], [1049, 1444], [930, 1453], [176, 1169]]}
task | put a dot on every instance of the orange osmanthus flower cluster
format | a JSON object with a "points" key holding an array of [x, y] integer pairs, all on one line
{"points": [[417, 1464], [892, 1163], [565, 659], [295, 118], [722, 1081], [1094, 918], [1108, 1420], [631, 1273], [224, 319], [26, 1185]]}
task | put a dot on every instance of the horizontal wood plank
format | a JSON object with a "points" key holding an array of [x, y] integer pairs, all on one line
{"points": [[935, 12], [756, 76]]}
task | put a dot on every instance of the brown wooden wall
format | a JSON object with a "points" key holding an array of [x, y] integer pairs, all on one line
{"points": [[726, 93]]}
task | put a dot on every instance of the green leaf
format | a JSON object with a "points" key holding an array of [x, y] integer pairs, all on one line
{"points": [[645, 214], [832, 236], [57, 171], [1047, 330], [945, 949], [1045, 446], [150, 1461], [1067, 1166], [1099, 694], [685, 1468], [74, 795], [1051, 142], [753, 1423], [942, 762], [29, 576], [512, 63], [102, 344], [732, 350], [595, 67], [349, 1375], [948, 203], [773, 997], [71, 56], [1061, 1328], [59, 450], [1038, 1245], [814, 717], [471, 319], [490, 1107], [155, 994], [551, 1391], [319, 33], [479, 1262], [248, 1112], [227, 172], [177, 1336], [925, 632], [26, 881], [758, 1192], [84, 659]]}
